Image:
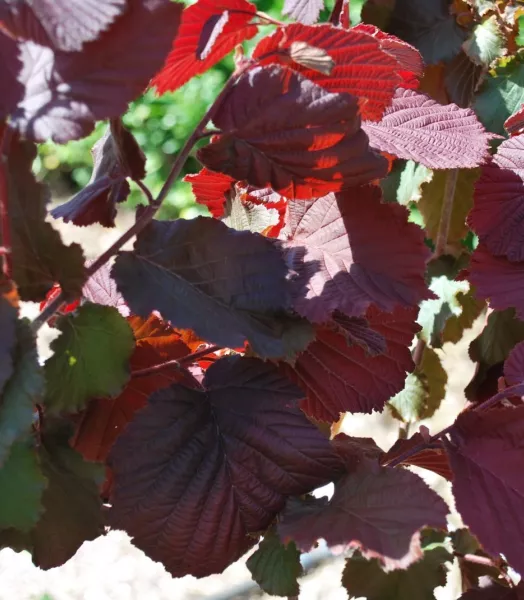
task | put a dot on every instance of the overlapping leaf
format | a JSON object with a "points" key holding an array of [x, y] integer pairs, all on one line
{"points": [[39, 257], [101, 288], [499, 201], [461, 77], [494, 592], [514, 365], [115, 156], [433, 459], [338, 376], [514, 125], [361, 66], [440, 137], [66, 92], [221, 464], [209, 189], [60, 24], [486, 42], [334, 244], [485, 453], [210, 29], [8, 316], [281, 130], [376, 508], [305, 11]]}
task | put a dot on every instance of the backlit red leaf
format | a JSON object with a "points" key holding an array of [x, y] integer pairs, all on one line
{"points": [[440, 137], [339, 376], [362, 67], [515, 124], [498, 280], [375, 508], [60, 24], [66, 92], [209, 189], [280, 130], [101, 288], [499, 201], [486, 455], [220, 465], [209, 30], [305, 11], [335, 244]]}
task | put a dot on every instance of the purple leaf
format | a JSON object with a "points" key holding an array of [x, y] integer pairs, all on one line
{"points": [[10, 66], [65, 92], [305, 11], [335, 244], [498, 212], [440, 137], [59, 24], [8, 317], [101, 288], [219, 465]]}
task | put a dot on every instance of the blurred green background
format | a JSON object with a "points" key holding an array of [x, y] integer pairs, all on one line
{"points": [[160, 125]]}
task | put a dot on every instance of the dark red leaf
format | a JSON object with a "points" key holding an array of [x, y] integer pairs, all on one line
{"points": [[514, 365], [209, 30], [408, 57], [485, 453], [374, 508], [60, 24], [358, 331], [497, 279], [440, 137], [461, 77], [282, 131], [66, 92], [515, 124], [339, 377], [335, 246], [433, 459], [219, 466], [305, 11], [495, 592], [8, 317], [209, 189], [228, 286], [362, 67], [10, 67], [101, 288], [499, 201]]}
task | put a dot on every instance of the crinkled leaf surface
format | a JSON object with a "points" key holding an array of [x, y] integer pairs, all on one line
{"points": [[424, 390], [71, 501], [60, 24], [101, 288], [497, 216], [210, 189], [226, 285], [514, 125], [335, 245], [366, 578], [115, 156], [209, 30], [361, 66], [339, 376], [485, 454], [40, 258], [281, 130], [305, 11], [377, 508], [8, 317], [21, 393], [514, 365], [22, 485], [91, 358], [440, 137], [66, 92], [220, 464], [276, 566], [501, 94]]}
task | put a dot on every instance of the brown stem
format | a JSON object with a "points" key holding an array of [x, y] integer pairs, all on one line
{"points": [[418, 352], [176, 363], [447, 211], [149, 212], [487, 562], [334, 18], [5, 223], [270, 20], [145, 190]]}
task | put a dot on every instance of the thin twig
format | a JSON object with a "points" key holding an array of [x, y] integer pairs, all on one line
{"points": [[7, 257], [268, 19], [149, 212], [418, 352], [447, 212], [145, 190], [177, 364]]}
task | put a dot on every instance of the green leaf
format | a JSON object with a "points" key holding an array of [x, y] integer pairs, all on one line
{"points": [[501, 94], [486, 42], [435, 313], [243, 215], [423, 392], [91, 357], [276, 567], [23, 390], [519, 39], [40, 258], [72, 506], [464, 542], [501, 334], [403, 184], [457, 324], [366, 578], [431, 203], [21, 485]]}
